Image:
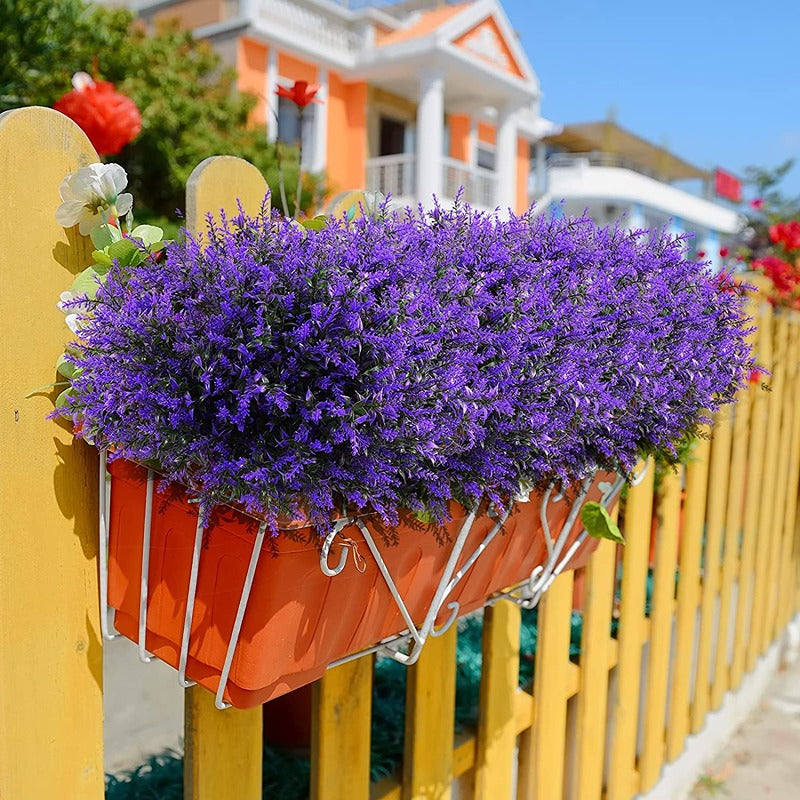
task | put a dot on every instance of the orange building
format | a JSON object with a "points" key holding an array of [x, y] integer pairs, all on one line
{"points": [[419, 98]]}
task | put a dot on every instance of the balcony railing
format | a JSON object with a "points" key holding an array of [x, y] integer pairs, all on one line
{"points": [[317, 25], [395, 175], [479, 185]]}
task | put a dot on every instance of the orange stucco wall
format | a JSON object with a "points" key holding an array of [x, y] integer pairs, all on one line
{"points": [[523, 168], [459, 136], [251, 66], [295, 69], [486, 133], [494, 31], [347, 134]]}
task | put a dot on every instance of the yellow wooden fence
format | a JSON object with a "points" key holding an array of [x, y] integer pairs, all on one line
{"points": [[724, 577]]}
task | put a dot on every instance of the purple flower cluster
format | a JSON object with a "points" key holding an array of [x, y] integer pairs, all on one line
{"points": [[406, 360]]}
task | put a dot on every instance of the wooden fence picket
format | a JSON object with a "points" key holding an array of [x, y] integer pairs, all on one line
{"points": [[623, 778], [758, 428], [661, 616], [51, 666], [691, 547], [223, 748], [726, 578], [340, 732], [716, 505]]}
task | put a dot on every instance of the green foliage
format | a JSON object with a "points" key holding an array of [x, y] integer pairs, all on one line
{"points": [[598, 523], [777, 207], [190, 109]]}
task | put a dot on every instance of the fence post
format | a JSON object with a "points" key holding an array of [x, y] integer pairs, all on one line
{"points": [[623, 780], [223, 748], [51, 669], [340, 732]]}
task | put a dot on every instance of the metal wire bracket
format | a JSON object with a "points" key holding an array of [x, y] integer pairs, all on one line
{"points": [[404, 647]]}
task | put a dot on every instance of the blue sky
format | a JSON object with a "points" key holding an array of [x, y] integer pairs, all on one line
{"points": [[717, 82]]}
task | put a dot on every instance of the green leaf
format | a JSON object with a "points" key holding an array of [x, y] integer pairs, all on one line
{"points": [[126, 252], [62, 399], [102, 258], [86, 283], [598, 522], [148, 234], [46, 386], [315, 223], [104, 236], [66, 368]]}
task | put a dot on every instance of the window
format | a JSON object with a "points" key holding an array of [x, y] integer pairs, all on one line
{"points": [[289, 126], [486, 156]]}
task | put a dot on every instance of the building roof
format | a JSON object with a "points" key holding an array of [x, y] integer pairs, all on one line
{"points": [[423, 24], [608, 137]]}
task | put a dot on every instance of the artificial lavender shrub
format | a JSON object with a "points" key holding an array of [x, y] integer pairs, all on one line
{"points": [[405, 360]]}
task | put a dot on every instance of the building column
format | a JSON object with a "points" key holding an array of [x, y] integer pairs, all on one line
{"points": [[472, 159], [506, 155], [320, 120], [635, 217], [271, 86], [540, 169], [430, 136]]}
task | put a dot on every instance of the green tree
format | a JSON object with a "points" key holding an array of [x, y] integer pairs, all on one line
{"points": [[190, 108], [776, 205]]}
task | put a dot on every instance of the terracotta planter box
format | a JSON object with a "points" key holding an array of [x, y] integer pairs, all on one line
{"points": [[298, 620]]}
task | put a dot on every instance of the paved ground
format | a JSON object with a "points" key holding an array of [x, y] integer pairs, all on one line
{"points": [[762, 760], [142, 705]]}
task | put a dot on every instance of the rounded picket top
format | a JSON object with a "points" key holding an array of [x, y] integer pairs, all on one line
{"points": [[51, 658], [220, 183]]}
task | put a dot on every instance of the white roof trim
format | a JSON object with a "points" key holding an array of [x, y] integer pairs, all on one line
{"points": [[473, 15]]}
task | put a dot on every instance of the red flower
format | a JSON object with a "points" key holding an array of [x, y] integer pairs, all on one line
{"points": [[755, 375], [701, 253], [108, 118], [724, 252], [782, 274], [757, 203], [786, 233], [301, 93]]}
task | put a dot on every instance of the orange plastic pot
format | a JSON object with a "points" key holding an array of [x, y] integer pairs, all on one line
{"points": [[298, 620]]}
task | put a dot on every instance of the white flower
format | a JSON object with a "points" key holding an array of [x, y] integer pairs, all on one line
{"points": [[91, 194], [73, 322]]}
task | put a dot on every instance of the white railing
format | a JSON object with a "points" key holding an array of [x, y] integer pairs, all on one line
{"points": [[318, 26], [478, 186], [395, 175], [392, 175]]}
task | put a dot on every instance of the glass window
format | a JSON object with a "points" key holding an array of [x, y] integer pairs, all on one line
{"points": [[486, 156]]}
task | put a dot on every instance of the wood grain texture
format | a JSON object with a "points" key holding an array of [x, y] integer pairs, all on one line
{"points": [[497, 729], [430, 717], [688, 599], [596, 654], [661, 617], [623, 777], [716, 506], [223, 748], [340, 732], [758, 429], [51, 669]]}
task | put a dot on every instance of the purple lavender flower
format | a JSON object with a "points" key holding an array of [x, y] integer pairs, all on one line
{"points": [[406, 360]]}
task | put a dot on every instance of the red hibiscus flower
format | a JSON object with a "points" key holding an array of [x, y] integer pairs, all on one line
{"points": [[781, 273], [724, 252], [757, 203], [108, 118], [701, 253], [786, 233], [301, 93]]}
